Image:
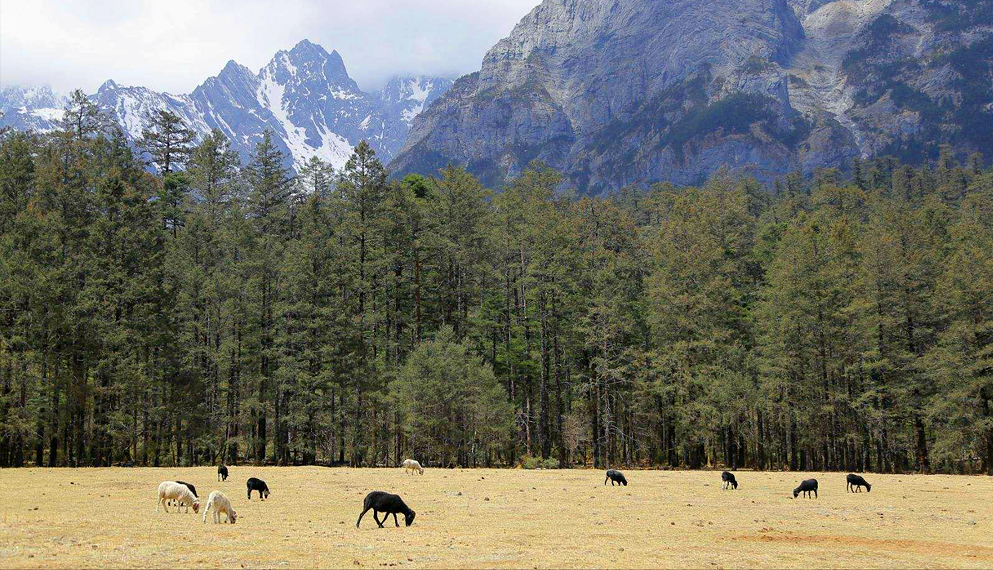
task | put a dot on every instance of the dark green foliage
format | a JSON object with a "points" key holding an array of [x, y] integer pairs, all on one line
{"points": [[228, 313], [755, 65], [952, 16], [732, 115], [168, 142], [880, 69]]}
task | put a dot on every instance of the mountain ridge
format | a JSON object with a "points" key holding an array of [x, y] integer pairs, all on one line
{"points": [[303, 94], [617, 92]]}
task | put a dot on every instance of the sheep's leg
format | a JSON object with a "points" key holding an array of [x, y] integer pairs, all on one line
{"points": [[375, 516], [395, 519], [362, 514], [205, 513]]}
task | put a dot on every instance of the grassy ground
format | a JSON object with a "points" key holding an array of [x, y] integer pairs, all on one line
{"points": [[495, 518]]}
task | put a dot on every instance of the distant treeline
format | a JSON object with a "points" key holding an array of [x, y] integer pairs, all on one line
{"points": [[228, 312]]}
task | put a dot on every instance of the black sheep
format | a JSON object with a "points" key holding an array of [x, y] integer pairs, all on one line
{"points": [[615, 476], [806, 487], [222, 473], [257, 485], [387, 504], [857, 482], [729, 480], [188, 486]]}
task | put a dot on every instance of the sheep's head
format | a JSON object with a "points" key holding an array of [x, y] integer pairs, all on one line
{"points": [[868, 487], [232, 516], [196, 506], [796, 492], [266, 492], [409, 518]]}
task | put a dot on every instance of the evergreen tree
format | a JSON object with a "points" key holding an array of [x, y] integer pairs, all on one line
{"points": [[167, 140], [455, 411]]}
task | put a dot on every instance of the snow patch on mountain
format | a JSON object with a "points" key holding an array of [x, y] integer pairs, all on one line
{"points": [[303, 95]]}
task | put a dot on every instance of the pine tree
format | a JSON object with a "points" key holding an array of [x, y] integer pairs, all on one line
{"points": [[167, 140], [455, 411], [317, 177], [962, 360], [268, 203], [82, 118], [363, 188]]}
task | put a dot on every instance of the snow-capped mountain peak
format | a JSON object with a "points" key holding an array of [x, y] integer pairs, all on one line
{"points": [[412, 94], [304, 95], [37, 108]]}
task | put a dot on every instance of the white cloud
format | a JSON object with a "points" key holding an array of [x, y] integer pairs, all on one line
{"points": [[174, 45]]}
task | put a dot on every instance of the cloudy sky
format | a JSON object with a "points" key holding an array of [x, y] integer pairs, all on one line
{"points": [[173, 45]]}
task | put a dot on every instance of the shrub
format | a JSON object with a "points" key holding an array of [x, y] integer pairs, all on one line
{"points": [[529, 462]]}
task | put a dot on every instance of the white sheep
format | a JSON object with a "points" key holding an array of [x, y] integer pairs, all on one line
{"points": [[171, 490], [409, 466], [220, 504]]}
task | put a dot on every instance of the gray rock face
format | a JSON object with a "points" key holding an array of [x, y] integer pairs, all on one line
{"points": [[304, 95], [615, 92]]}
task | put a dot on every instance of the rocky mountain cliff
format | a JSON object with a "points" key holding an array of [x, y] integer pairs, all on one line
{"points": [[615, 92], [304, 95]]}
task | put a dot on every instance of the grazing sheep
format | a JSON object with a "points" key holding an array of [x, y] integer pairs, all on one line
{"points": [[220, 504], [615, 476], [729, 481], [222, 473], [188, 486], [806, 487], [171, 490], [257, 485], [409, 466], [387, 504], [857, 482]]}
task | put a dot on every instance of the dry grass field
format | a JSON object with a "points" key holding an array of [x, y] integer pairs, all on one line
{"points": [[495, 518]]}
